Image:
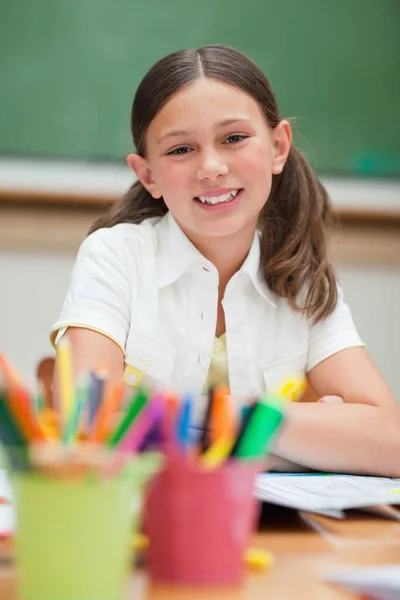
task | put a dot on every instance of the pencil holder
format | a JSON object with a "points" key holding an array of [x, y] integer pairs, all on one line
{"points": [[73, 539], [199, 522]]}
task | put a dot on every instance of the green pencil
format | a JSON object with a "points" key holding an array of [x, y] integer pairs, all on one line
{"points": [[136, 406], [11, 437], [81, 401], [38, 403], [263, 423]]}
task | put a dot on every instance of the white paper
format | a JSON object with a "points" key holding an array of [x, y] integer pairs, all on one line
{"points": [[5, 486], [381, 582], [7, 520], [321, 493], [7, 512]]}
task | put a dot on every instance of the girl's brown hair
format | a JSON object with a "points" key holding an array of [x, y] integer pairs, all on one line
{"points": [[295, 218]]}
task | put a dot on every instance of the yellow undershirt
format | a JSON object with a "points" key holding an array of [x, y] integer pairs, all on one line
{"points": [[218, 373]]}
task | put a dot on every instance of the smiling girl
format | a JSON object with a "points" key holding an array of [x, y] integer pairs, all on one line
{"points": [[213, 269]]}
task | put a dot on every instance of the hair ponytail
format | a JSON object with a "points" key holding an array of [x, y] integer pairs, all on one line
{"points": [[294, 250]]}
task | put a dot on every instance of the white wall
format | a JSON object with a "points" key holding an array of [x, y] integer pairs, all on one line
{"points": [[373, 294], [34, 285]]}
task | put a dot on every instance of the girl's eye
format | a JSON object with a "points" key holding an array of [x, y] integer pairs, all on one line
{"points": [[234, 138], [180, 150]]}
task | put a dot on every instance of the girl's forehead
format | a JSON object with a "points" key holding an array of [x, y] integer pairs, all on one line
{"points": [[207, 102]]}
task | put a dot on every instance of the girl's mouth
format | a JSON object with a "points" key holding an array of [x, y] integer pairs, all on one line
{"points": [[220, 203]]}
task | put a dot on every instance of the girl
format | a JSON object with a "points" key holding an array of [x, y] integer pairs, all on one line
{"points": [[214, 267]]}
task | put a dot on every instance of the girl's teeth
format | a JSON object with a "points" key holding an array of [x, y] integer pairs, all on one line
{"points": [[218, 199]]}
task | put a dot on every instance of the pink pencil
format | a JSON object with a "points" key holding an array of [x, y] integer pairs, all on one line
{"points": [[142, 425]]}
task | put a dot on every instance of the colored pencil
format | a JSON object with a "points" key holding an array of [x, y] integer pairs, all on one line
{"points": [[110, 406], [137, 404], [65, 379]]}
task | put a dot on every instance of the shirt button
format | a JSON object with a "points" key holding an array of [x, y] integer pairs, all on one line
{"points": [[205, 269]]}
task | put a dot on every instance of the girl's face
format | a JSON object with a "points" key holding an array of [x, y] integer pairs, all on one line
{"points": [[210, 155]]}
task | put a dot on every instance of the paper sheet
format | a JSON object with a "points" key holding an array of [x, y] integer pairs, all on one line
{"points": [[382, 582], [324, 493], [7, 513], [5, 487], [7, 520]]}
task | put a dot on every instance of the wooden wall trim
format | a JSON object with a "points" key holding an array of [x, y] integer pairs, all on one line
{"points": [[36, 199], [62, 229], [62, 199]]}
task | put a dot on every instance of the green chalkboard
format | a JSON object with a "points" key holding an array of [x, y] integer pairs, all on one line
{"points": [[69, 68]]}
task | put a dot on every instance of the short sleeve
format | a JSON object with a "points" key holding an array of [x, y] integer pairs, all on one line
{"points": [[333, 334], [100, 290]]}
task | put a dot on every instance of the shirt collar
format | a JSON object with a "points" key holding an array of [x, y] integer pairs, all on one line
{"points": [[176, 254]]}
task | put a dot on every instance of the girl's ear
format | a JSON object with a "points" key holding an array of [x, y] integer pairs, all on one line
{"points": [[140, 166], [282, 141]]}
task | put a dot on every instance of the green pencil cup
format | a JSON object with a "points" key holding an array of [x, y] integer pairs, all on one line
{"points": [[73, 539]]}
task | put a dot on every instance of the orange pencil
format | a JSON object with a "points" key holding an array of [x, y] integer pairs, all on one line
{"points": [[106, 411], [11, 377], [20, 404], [171, 409], [221, 414], [49, 424], [169, 422]]}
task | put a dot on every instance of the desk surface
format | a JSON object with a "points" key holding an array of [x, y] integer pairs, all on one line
{"points": [[304, 546]]}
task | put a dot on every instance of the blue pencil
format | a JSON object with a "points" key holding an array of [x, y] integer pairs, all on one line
{"points": [[183, 422]]}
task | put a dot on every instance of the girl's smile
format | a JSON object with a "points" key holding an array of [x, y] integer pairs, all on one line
{"points": [[219, 200]]}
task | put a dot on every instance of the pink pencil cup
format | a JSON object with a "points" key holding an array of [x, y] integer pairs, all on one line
{"points": [[199, 522]]}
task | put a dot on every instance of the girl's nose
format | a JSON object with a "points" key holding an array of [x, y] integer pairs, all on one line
{"points": [[212, 166]]}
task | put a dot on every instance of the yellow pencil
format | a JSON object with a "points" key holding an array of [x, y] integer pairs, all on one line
{"points": [[218, 452], [65, 379]]}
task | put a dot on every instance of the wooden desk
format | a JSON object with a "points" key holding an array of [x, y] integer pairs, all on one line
{"points": [[303, 550]]}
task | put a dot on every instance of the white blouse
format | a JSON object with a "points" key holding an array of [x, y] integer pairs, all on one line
{"points": [[149, 289]]}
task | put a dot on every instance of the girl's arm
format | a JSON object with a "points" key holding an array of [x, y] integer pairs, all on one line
{"points": [[99, 298], [92, 351], [361, 435]]}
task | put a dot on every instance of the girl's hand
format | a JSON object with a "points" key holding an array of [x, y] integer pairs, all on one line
{"points": [[331, 399]]}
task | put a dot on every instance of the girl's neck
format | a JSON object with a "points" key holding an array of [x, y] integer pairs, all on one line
{"points": [[226, 253]]}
